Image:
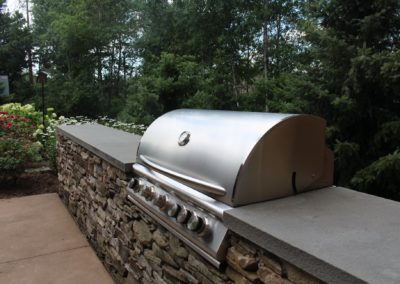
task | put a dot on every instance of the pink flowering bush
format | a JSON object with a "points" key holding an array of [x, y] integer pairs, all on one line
{"points": [[17, 147]]}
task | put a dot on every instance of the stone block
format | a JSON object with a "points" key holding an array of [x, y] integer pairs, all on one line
{"points": [[246, 262], [133, 267], [124, 252], [130, 279], [180, 274], [97, 160], [121, 183], [146, 267], [142, 233], [147, 278], [84, 156], [158, 278], [298, 276], [121, 235], [271, 263], [188, 277], [89, 226], [101, 214], [236, 277], [205, 269], [92, 181], [98, 171], [114, 242], [160, 239], [154, 261], [232, 260], [177, 249], [163, 255], [267, 276]]}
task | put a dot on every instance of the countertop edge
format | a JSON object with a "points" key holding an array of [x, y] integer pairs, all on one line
{"points": [[123, 166]]}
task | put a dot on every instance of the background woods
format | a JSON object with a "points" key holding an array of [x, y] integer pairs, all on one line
{"points": [[136, 59]]}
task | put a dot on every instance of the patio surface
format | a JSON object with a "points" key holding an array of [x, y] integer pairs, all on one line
{"points": [[40, 243]]}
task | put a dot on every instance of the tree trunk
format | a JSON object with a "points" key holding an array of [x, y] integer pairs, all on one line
{"points": [[235, 90], [265, 49], [111, 71], [29, 50], [278, 39], [124, 65], [248, 68], [99, 65], [119, 66]]}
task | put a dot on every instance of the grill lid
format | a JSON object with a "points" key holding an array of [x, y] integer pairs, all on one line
{"points": [[239, 157]]}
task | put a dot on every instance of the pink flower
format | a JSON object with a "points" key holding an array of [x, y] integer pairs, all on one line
{"points": [[7, 126]]}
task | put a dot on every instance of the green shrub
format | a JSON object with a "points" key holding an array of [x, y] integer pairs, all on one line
{"points": [[17, 148], [24, 136]]}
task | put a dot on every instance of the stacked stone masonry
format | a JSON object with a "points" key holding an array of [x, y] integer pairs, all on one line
{"points": [[134, 248]]}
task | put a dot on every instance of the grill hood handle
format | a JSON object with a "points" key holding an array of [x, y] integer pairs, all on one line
{"points": [[205, 186]]}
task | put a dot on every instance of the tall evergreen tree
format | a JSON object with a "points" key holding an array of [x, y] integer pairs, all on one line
{"points": [[356, 50], [85, 45], [15, 41]]}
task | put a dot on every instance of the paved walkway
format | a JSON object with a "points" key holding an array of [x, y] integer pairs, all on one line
{"points": [[40, 243]]}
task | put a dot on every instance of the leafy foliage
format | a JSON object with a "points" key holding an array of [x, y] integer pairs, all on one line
{"points": [[16, 146], [380, 174], [85, 46], [356, 51], [15, 41]]}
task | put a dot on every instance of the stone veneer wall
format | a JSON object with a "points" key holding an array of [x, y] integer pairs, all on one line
{"points": [[134, 248]]}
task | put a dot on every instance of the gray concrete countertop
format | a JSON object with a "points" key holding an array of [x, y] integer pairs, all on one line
{"points": [[115, 146], [336, 234]]}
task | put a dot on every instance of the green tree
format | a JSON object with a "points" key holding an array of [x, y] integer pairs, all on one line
{"points": [[355, 51], [173, 82], [85, 46], [15, 41]]}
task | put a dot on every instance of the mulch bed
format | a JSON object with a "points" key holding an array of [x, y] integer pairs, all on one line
{"points": [[30, 184]]}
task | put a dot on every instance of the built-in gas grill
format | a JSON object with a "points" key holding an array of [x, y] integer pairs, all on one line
{"points": [[193, 165]]}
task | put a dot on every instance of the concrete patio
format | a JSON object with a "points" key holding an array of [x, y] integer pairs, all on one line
{"points": [[40, 243]]}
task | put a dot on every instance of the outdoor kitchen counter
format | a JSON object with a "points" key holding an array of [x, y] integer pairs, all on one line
{"points": [[336, 234], [115, 146]]}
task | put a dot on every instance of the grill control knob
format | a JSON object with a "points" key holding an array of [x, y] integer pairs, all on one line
{"points": [[132, 183], [149, 193], [143, 190], [155, 197], [195, 222], [163, 202], [138, 185], [204, 229], [183, 215], [173, 210]]}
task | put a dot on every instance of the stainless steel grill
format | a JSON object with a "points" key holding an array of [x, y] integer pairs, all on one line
{"points": [[193, 165]]}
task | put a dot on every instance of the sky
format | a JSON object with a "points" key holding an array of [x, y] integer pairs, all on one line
{"points": [[14, 5]]}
